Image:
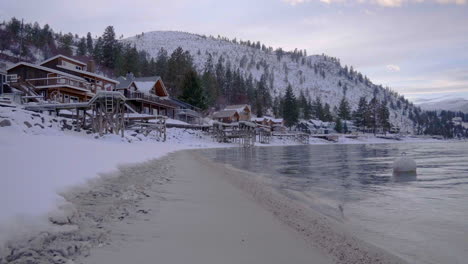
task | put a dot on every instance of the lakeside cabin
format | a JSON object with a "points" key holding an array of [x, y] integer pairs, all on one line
{"points": [[233, 113], [226, 116], [60, 79], [147, 95], [243, 110]]}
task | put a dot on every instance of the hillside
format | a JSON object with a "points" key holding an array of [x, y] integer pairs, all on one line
{"points": [[316, 75], [449, 104]]}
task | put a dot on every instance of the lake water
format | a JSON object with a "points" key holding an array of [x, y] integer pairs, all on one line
{"points": [[423, 218]]}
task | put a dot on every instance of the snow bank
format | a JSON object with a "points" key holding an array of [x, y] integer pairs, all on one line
{"points": [[39, 159]]}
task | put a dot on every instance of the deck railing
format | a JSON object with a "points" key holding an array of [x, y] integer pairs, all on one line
{"points": [[54, 81], [147, 97]]}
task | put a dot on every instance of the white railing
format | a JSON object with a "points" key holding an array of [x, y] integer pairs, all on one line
{"points": [[55, 81]]}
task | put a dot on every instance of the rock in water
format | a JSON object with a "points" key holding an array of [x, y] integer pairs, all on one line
{"points": [[404, 164]]}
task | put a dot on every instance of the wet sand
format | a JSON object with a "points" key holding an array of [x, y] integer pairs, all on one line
{"points": [[204, 219], [185, 208]]}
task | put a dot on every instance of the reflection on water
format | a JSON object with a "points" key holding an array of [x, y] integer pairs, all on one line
{"points": [[422, 217]]}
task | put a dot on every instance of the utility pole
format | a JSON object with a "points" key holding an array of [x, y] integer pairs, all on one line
{"points": [[21, 38]]}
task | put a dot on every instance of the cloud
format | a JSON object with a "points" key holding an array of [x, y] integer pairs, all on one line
{"points": [[393, 68], [384, 3]]}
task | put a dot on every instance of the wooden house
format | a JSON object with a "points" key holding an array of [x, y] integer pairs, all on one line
{"points": [[83, 70], [60, 79], [244, 111], [147, 95], [227, 116]]}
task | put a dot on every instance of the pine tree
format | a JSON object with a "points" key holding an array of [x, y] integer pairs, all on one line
{"points": [[344, 111], [304, 106], [384, 117], [360, 115], [97, 51], [109, 47], [372, 116], [161, 63], [290, 109], [338, 125], [192, 91], [317, 108], [81, 47], [65, 44], [327, 115], [89, 43]]}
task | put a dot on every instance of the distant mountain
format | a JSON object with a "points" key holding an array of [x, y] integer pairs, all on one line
{"points": [[450, 104], [316, 75]]}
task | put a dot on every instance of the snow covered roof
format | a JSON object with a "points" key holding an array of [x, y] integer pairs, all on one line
{"points": [[47, 70], [143, 84], [224, 113], [89, 74], [64, 57], [123, 83], [258, 119], [238, 108]]}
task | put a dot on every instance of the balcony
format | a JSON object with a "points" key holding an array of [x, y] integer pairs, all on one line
{"points": [[51, 82], [148, 98]]}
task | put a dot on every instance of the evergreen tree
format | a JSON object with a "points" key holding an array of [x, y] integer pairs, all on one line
{"points": [[97, 51], [290, 109], [109, 47], [338, 125], [327, 115], [372, 116], [178, 65], [317, 108], [65, 44], [89, 43], [81, 47], [384, 117], [162, 63], [192, 91], [304, 106], [344, 111], [361, 114]]}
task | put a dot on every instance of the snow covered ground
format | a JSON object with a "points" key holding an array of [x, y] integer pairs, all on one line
{"points": [[41, 156]]}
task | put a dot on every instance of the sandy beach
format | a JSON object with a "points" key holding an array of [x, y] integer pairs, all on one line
{"points": [[184, 208], [204, 219]]}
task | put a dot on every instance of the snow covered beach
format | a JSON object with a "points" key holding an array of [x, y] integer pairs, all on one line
{"points": [[42, 164]]}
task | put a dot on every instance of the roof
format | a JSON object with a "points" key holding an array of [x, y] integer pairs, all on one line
{"points": [[239, 108], [65, 57], [46, 69], [123, 83], [224, 113], [143, 84], [89, 74]]}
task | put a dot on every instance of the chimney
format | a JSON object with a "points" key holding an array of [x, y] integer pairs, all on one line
{"points": [[130, 76], [91, 66]]}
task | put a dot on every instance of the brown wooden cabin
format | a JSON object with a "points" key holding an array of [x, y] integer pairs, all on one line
{"points": [[52, 84], [226, 116], [244, 111], [61, 79], [83, 70], [147, 95]]}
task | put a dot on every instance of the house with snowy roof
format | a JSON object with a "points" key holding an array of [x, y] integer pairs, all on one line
{"points": [[244, 111], [226, 116], [147, 95], [60, 78]]}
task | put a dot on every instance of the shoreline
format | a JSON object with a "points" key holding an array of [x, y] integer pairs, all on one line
{"points": [[318, 230], [186, 208]]}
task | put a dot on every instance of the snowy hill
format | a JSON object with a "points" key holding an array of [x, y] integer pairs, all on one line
{"points": [[450, 104], [316, 75]]}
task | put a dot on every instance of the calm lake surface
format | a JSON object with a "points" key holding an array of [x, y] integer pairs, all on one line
{"points": [[423, 218]]}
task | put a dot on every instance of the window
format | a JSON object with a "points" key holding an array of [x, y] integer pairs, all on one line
{"points": [[74, 99], [66, 98]]}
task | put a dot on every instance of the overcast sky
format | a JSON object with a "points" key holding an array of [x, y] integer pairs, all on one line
{"points": [[417, 47]]}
